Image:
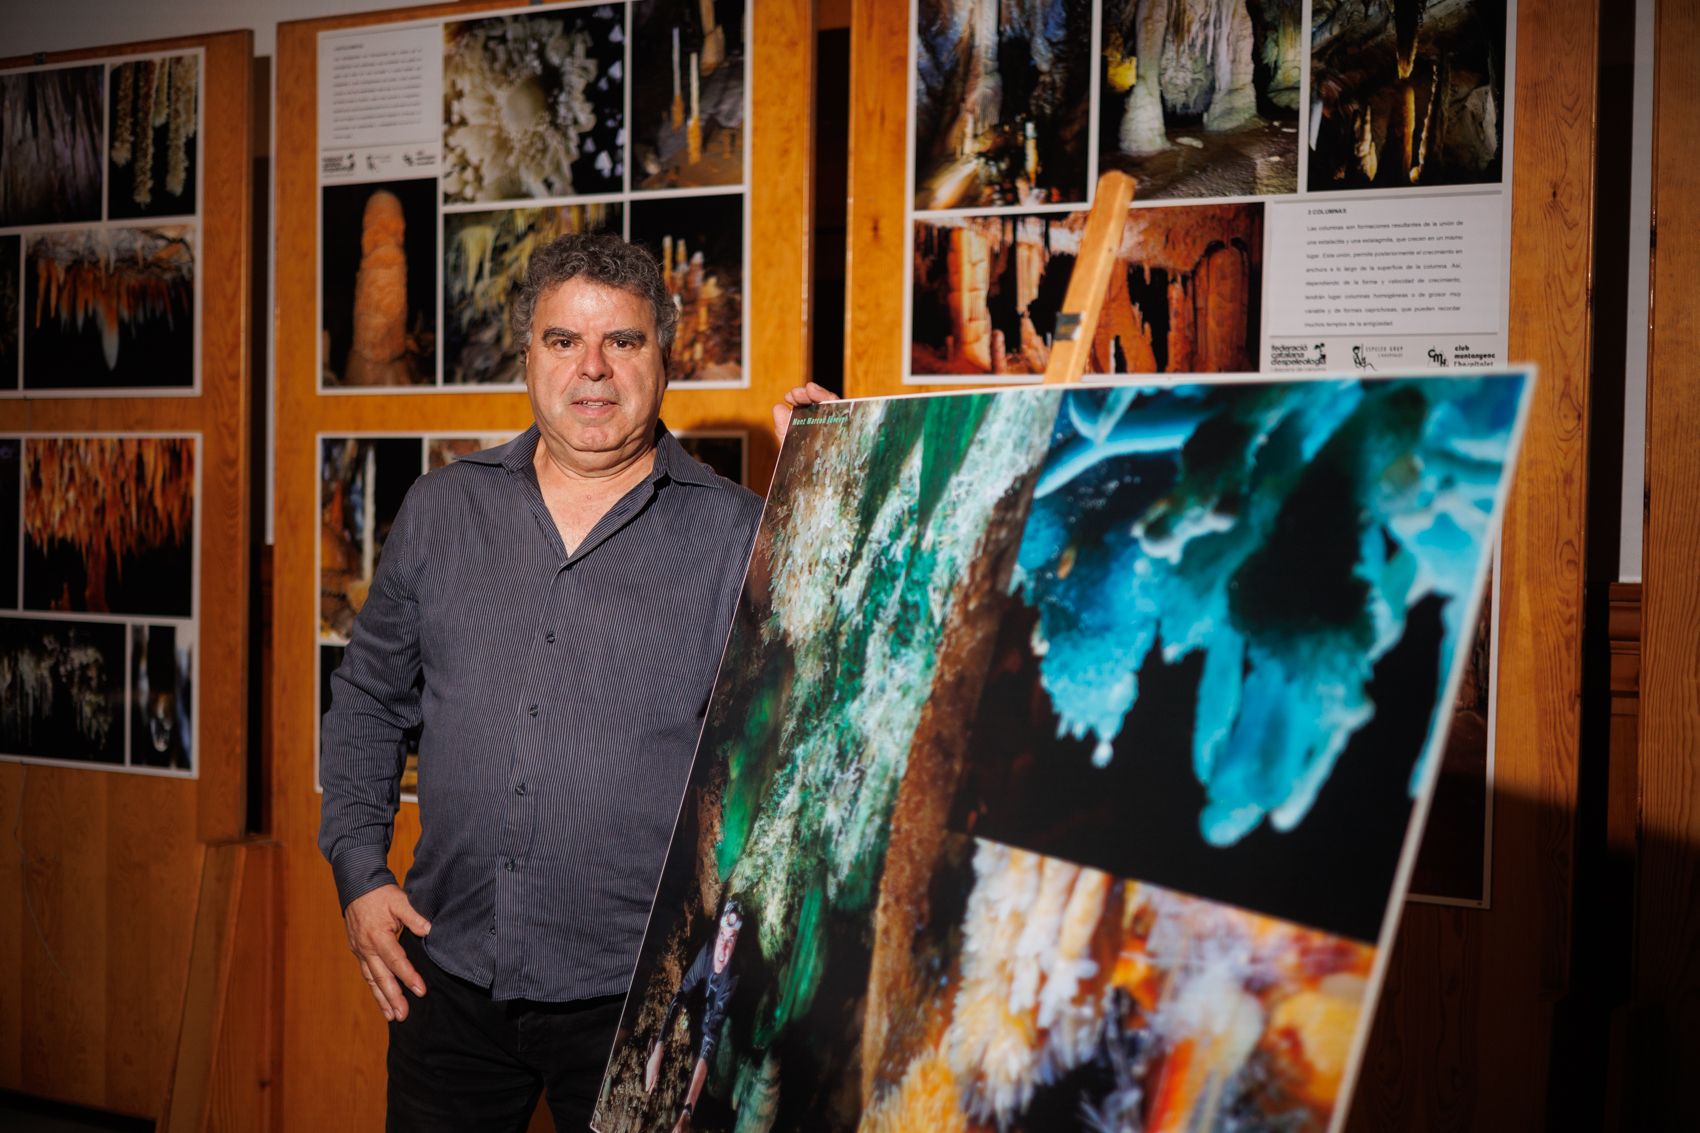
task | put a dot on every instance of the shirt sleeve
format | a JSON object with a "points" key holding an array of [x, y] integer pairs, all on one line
{"points": [[374, 702]]}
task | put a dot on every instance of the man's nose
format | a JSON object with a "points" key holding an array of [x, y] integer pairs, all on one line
{"points": [[595, 362]]}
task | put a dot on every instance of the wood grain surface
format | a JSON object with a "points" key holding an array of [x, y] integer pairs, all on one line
{"points": [[1667, 930], [333, 1035], [97, 900]]}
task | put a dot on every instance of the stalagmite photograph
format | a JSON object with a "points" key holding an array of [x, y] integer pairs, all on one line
{"points": [[62, 690], [1406, 92], [1187, 298], [11, 299], [687, 93], [330, 656], [534, 105], [50, 163], [11, 519], [110, 308], [152, 147], [362, 481], [1002, 102], [161, 713], [1200, 98], [109, 525], [1060, 770], [699, 242], [378, 284], [485, 255]]}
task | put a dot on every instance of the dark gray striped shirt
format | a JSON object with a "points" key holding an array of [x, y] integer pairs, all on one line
{"points": [[561, 699]]}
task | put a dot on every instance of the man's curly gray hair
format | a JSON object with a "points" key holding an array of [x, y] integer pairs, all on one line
{"points": [[600, 258]]}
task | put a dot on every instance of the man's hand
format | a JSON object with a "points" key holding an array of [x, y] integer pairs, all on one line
{"points": [[652, 1069], [374, 922], [810, 394]]}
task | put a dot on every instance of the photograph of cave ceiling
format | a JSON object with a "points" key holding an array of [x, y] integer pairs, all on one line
{"points": [[50, 167], [1062, 765], [110, 308], [1407, 92], [687, 118], [987, 290], [1001, 103], [485, 255], [378, 284], [1200, 98]]}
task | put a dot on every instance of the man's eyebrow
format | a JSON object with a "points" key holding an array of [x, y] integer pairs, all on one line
{"points": [[563, 332], [627, 332]]}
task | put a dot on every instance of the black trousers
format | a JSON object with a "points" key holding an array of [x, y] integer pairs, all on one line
{"points": [[463, 1061]]}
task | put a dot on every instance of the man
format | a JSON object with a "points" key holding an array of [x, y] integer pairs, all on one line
{"points": [[553, 611], [708, 986]]}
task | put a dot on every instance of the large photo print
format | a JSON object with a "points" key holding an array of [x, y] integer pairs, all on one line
{"points": [[1061, 765]]}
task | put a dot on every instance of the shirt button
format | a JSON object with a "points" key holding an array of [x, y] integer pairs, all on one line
{"points": [[509, 865], [519, 788], [531, 709], [492, 930], [549, 637]]}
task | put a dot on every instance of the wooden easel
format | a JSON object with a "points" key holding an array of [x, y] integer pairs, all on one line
{"points": [[1077, 322]]}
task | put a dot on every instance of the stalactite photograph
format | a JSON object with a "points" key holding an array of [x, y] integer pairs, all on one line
{"points": [[699, 242], [534, 105], [687, 93], [330, 656], [50, 128], [152, 148], [161, 714], [1406, 92], [1060, 768], [723, 452], [11, 520], [109, 525], [110, 308], [362, 481], [1200, 98], [485, 255], [987, 289], [378, 284], [11, 297], [62, 690], [1002, 92]]}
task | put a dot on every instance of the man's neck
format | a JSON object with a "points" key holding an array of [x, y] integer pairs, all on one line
{"points": [[578, 494]]}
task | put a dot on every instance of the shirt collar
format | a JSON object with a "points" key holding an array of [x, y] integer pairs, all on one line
{"points": [[671, 459]]}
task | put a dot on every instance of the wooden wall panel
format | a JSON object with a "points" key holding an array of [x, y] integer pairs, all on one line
{"points": [[1461, 1039], [1667, 929], [332, 1031], [98, 904]]}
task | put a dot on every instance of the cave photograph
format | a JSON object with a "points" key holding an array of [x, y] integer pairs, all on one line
{"points": [[62, 690], [161, 712], [151, 148], [1406, 92], [699, 243], [1200, 98], [50, 131], [1002, 100], [687, 93], [11, 292], [109, 308], [987, 290], [378, 284]]}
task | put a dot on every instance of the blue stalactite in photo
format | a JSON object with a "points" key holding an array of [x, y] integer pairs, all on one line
{"points": [[1285, 532]]}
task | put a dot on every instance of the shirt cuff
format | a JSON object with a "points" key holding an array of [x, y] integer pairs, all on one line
{"points": [[360, 869]]}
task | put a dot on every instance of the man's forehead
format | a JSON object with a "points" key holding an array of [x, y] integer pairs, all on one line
{"points": [[583, 301]]}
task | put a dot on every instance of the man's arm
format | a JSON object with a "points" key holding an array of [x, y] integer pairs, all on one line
{"points": [[374, 703]]}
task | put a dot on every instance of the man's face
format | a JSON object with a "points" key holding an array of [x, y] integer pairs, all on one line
{"points": [[723, 945], [594, 371]]}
